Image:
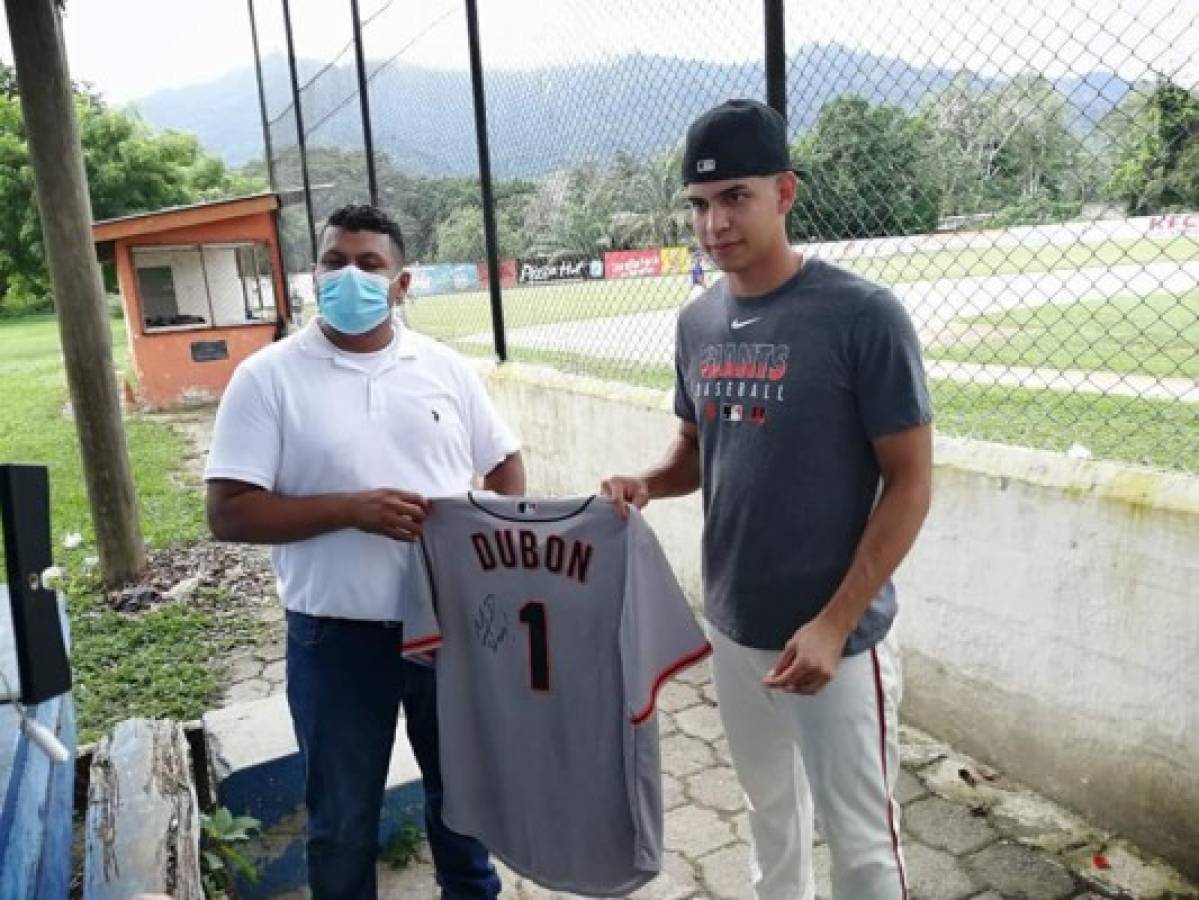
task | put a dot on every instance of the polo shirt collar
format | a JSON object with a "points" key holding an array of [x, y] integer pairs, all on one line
{"points": [[313, 342]]}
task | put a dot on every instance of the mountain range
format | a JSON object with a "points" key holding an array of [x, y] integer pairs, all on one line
{"points": [[544, 120]]}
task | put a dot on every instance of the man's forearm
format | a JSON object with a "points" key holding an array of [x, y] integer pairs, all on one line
{"points": [[264, 517], [508, 478], [678, 474], [889, 535]]}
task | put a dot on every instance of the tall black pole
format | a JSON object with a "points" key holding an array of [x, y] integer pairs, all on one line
{"points": [[295, 99], [266, 127], [489, 232], [776, 57], [364, 102]]}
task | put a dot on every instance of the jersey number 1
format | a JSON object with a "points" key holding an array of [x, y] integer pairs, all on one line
{"points": [[533, 615]]}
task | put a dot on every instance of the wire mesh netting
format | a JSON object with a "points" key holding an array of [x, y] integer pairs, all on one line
{"points": [[1010, 171], [1024, 176]]}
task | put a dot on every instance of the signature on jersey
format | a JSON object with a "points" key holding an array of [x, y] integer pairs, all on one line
{"points": [[491, 624]]}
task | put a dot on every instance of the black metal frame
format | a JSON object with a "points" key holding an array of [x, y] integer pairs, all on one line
{"points": [[266, 127], [295, 94], [368, 142], [41, 653], [776, 56], [488, 196]]}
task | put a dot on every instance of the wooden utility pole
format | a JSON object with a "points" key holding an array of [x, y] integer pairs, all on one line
{"points": [[35, 29]]}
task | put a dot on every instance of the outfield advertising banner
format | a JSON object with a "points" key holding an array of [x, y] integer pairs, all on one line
{"points": [[633, 263], [534, 271], [1174, 223], [675, 260], [508, 274], [449, 278]]}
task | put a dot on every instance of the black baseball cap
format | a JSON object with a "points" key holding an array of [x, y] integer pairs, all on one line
{"points": [[737, 139]]}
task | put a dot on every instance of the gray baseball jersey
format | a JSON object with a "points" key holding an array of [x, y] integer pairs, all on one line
{"points": [[555, 624]]}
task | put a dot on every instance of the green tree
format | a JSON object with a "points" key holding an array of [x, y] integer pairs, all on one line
{"points": [[867, 172], [460, 235], [1007, 147], [649, 208], [129, 168], [571, 213], [1156, 150]]}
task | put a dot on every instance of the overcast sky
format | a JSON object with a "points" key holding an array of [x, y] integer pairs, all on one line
{"points": [[130, 48]]}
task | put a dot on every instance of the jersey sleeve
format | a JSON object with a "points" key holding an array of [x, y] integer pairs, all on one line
{"points": [[246, 441], [422, 631], [684, 403], [659, 636]]}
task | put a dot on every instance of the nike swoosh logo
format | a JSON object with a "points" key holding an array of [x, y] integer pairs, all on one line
{"points": [[737, 323]]}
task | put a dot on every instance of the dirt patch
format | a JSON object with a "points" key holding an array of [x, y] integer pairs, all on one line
{"points": [[182, 573]]}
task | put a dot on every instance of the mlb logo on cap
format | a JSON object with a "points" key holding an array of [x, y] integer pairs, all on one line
{"points": [[705, 165]]}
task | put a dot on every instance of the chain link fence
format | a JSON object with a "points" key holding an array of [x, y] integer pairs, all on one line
{"points": [[1024, 176]]}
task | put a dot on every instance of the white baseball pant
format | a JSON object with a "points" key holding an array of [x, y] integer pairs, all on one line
{"points": [[839, 748]]}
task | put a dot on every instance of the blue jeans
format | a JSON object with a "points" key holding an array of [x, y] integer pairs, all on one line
{"points": [[345, 683]]}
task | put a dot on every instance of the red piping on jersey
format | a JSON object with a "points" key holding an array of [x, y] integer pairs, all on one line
{"points": [[665, 675], [882, 746], [429, 642]]}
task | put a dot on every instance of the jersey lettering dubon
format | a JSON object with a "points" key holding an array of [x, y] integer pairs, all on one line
{"points": [[555, 623]]}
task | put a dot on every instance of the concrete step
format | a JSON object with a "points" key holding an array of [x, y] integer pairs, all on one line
{"points": [[257, 772]]}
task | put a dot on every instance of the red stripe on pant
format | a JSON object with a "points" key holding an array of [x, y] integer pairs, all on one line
{"points": [[882, 748]]}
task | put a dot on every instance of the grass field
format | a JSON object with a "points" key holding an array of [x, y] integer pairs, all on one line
{"points": [[456, 315], [1156, 335], [159, 663]]}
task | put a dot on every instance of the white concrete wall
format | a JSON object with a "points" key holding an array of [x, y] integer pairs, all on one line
{"points": [[1049, 612]]}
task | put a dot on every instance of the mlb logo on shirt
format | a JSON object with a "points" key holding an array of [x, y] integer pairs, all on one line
{"points": [[732, 412], [526, 508], [758, 415]]}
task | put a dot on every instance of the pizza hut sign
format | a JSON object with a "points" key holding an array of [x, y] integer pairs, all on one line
{"points": [[534, 272]]}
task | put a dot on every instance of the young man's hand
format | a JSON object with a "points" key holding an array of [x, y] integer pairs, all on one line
{"points": [[809, 660], [625, 490]]}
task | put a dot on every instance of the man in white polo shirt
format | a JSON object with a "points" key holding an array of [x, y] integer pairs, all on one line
{"points": [[327, 446]]}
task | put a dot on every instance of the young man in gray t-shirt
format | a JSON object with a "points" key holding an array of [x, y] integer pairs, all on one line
{"points": [[805, 418]]}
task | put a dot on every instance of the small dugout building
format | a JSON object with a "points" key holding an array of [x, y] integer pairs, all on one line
{"points": [[202, 288]]}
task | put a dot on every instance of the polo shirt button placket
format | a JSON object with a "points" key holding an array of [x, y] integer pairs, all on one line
{"points": [[374, 398]]}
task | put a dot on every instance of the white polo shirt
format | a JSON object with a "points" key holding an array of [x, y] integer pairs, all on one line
{"points": [[302, 417]]}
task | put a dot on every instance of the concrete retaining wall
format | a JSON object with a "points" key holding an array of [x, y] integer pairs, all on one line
{"points": [[1049, 612]]}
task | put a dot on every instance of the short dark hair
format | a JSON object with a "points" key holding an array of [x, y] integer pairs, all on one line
{"points": [[364, 217]]}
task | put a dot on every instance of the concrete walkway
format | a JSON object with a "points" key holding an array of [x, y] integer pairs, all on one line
{"points": [[968, 831]]}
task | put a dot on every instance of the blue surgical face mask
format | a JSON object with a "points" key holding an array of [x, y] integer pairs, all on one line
{"points": [[353, 301]]}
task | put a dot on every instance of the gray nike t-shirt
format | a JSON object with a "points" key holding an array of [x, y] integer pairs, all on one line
{"points": [[788, 390]]}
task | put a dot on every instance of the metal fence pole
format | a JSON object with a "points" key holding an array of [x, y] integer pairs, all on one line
{"points": [[368, 142], [295, 93], [776, 57], [266, 128], [489, 230]]}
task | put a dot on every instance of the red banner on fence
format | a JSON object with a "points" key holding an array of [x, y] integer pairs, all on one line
{"points": [[507, 274], [633, 263]]}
